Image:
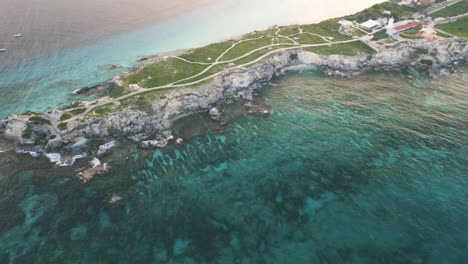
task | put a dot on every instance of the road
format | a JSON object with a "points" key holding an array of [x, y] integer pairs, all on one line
{"points": [[436, 7]]}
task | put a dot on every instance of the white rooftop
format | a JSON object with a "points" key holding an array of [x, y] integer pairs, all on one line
{"points": [[371, 24], [344, 22]]}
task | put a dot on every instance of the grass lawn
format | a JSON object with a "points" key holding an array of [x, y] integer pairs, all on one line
{"points": [[246, 47], [72, 113], [453, 10], [349, 49], [211, 51], [258, 54], [101, 111], [144, 100], [163, 72], [39, 120], [380, 35], [119, 91], [327, 28], [211, 71], [309, 39], [65, 116], [440, 34], [62, 126], [399, 12], [458, 28], [286, 31]]}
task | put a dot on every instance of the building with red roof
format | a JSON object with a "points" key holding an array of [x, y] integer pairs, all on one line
{"points": [[402, 26]]}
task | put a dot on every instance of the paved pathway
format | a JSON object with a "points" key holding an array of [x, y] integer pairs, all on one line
{"points": [[436, 7], [177, 84]]}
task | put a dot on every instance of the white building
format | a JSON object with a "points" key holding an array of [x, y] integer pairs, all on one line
{"points": [[370, 25], [345, 23]]}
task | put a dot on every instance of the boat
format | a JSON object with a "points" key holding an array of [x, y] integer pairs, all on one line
{"points": [[2, 50], [18, 35]]}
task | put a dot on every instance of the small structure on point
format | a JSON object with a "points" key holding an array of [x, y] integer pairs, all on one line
{"points": [[345, 23]]}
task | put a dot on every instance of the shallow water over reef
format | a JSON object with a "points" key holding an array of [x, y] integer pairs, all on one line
{"points": [[365, 170]]}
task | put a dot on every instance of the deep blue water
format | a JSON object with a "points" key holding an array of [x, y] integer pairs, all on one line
{"points": [[365, 170]]}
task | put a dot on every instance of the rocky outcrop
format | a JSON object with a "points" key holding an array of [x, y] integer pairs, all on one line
{"points": [[97, 169], [150, 125], [215, 113]]}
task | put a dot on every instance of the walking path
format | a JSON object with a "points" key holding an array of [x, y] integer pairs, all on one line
{"points": [[90, 106], [435, 8]]}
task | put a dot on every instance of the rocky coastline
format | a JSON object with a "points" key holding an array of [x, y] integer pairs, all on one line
{"points": [[152, 127]]}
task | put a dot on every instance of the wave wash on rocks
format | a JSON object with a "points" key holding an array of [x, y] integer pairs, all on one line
{"points": [[140, 125]]}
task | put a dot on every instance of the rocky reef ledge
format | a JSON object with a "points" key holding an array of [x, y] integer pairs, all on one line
{"points": [[92, 137]]}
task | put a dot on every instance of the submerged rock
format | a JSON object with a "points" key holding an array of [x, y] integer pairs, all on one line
{"points": [[107, 147], [115, 198], [180, 246], [215, 113], [179, 141], [63, 161], [97, 169], [158, 143]]}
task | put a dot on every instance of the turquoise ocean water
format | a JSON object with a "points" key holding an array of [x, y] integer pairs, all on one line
{"points": [[35, 78], [365, 170]]}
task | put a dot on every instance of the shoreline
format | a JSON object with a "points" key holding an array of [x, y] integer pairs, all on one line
{"points": [[239, 84], [151, 125]]}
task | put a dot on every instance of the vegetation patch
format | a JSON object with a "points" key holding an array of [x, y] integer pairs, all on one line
{"points": [[101, 111], [426, 62], [208, 73], [163, 72], [382, 34], [74, 112], [422, 51], [77, 111], [349, 49], [27, 133], [66, 116], [287, 31], [328, 28], [119, 91], [39, 120], [399, 12], [30, 113], [453, 10], [62, 126], [246, 47], [212, 51], [309, 39], [457, 28], [258, 54], [441, 34]]}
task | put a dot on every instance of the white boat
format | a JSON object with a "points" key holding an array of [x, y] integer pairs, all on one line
{"points": [[2, 50], [18, 35]]}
